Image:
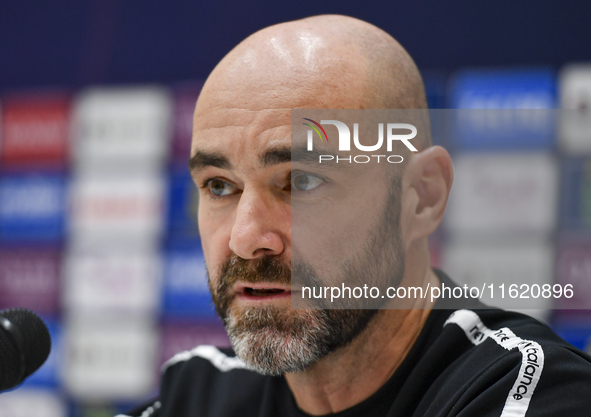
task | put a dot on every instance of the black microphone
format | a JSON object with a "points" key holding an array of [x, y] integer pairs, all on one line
{"points": [[24, 345]]}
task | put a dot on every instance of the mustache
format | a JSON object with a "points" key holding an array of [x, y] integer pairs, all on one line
{"points": [[270, 269], [266, 269], [235, 269]]}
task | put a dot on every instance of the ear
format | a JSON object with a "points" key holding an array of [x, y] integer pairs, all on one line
{"points": [[426, 184]]}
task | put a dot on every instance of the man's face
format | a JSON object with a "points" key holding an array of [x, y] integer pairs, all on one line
{"points": [[249, 190]]}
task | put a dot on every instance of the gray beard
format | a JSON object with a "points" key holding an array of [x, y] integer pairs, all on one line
{"points": [[269, 350], [273, 341]]}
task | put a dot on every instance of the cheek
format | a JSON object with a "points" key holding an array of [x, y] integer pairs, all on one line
{"points": [[215, 239], [327, 239]]}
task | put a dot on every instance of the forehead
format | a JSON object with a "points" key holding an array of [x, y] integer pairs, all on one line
{"points": [[241, 135], [243, 110]]}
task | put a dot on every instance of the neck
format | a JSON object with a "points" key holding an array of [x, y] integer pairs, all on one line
{"points": [[352, 374]]}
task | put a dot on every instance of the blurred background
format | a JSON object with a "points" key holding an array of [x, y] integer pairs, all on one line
{"points": [[97, 209]]}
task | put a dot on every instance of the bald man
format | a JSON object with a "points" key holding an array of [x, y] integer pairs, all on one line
{"points": [[416, 361]]}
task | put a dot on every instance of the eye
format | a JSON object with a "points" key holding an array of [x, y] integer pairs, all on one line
{"points": [[220, 188], [305, 182]]}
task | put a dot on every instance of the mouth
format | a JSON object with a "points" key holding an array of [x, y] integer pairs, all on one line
{"points": [[262, 292]]}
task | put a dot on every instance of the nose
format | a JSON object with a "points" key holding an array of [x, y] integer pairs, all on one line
{"points": [[262, 225]]}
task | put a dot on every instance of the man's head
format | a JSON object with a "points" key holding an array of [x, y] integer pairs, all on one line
{"points": [[241, 162]]}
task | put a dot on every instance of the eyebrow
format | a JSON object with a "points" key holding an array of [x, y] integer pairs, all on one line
{"points": [[274, 156], [202, 160], [311, 157], [304, 156], [282, 155]]}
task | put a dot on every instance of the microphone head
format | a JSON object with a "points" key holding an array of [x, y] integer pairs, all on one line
{"points": [[34, 347]]}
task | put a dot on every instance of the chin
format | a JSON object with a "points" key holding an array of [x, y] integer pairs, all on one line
{"points": [[275, 341]]}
